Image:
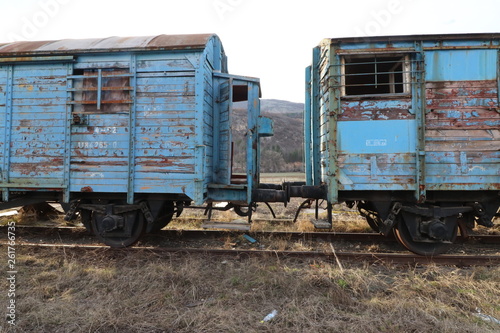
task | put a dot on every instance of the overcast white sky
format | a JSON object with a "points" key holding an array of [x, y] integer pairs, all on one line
{"points": [[269, 39]]}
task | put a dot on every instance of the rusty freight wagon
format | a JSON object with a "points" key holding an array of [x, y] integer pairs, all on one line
{"points": [[407, 128], [126, 131]]}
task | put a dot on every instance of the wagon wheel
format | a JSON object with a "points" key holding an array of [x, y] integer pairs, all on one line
{"points": [[118, 230], [374, 221], [429, 248], [85, 215], [163, 218], [243, 210]]}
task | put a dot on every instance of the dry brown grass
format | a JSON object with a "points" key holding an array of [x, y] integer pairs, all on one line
{"points": [[123, 291]]}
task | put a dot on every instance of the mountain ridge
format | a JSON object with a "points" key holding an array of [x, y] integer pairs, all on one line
{"points": [[282, 152]]}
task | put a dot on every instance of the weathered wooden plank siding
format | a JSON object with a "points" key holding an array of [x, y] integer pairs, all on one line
{"points": [[324, 110], [134, 114], [208, 117], [166, 124], [222, 169], [462, 121], [37, 125], [464, 125]]}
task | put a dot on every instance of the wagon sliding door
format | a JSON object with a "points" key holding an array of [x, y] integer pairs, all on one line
{"points": [[373, 117], [238, 127], [100, 130], [32, 124], [223, 147]]}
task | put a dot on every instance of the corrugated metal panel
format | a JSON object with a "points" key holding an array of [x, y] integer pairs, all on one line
{"points": [[160, 42]]}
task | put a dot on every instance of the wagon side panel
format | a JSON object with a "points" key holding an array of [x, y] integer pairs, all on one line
{"points": [[167, 151], [34, 125], [101, 104], [210, 119], [462, 129]]}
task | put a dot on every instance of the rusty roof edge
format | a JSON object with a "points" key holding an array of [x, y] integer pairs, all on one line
{"points": [[100, 45], [429, 37]]}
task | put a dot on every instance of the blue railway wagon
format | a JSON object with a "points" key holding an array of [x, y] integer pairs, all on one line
{"points": [[407, 128], [125, 130]]}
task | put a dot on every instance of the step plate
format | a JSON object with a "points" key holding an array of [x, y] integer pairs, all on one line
{"points": [[321, 224]]}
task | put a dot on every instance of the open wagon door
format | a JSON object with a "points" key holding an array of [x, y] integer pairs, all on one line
{"points": [[229, 181]]}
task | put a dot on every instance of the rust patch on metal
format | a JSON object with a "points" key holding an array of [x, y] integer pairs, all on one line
{"points": [[162, 42], [461, 94], [86, 189], [472, 118], [375, 110], [23, 46], [179, 41]]}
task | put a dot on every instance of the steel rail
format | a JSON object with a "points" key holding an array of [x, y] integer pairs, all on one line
{"points": [[197, 234], [374, 258]]}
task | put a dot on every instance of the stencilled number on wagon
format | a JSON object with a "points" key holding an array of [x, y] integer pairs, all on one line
{"points": [[105, 130], [376, 143], [97, 145]]}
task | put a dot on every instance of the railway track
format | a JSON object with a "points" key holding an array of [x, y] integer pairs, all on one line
{"points": [[373, 258], [197, 234], [63, 238]]}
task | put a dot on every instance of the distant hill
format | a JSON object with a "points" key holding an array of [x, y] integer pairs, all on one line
{"points": [[280, 153], [278, 106]]}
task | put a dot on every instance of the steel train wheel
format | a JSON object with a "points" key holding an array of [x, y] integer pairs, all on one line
{"points": [[118, 230], [242, 211], [373, 222], [165, 215], [403, 236]]}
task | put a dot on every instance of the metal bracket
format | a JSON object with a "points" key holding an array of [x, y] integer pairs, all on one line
{"points": [[147, 213], [483, 218], [80, 119], [70, 215], [436, 211], [391, 221]]}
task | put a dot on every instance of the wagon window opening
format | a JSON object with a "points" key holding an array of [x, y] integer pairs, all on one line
{"points": [[375, 75], [101, 90]]}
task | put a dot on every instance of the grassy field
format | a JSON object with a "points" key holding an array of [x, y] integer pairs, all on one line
{"points": [[117, 290], [278, 178], [123, 291]]}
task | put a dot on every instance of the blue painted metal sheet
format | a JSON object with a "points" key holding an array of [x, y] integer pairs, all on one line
{"points": [[461, 65], [377, 137]]}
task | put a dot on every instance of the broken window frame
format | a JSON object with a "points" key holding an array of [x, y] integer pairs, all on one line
{"points": [[376, 59], [101, 90]]}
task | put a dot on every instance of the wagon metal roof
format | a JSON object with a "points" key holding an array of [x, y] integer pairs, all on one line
{"points": [[397, 38], [159, 42]]}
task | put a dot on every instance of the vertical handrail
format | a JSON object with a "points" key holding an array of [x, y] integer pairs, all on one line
{"points": [[419, 107], [8, 131], [308, 145], [132, 130], [316, 115], [334, 109], [67, 133], [99, 88], [253, 150]]}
